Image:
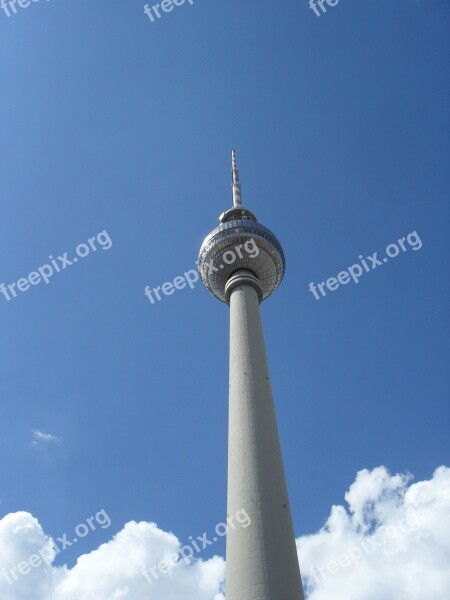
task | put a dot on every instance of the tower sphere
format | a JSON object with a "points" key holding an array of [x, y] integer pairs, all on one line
{"points": [[240, 243]]}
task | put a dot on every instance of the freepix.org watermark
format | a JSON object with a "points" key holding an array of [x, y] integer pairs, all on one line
{"points": [[50, 550], [9, 7], [191, 277], [166, 6], [314, 3], [356, 271], [380, 541], [201, 542], [57, 265]]}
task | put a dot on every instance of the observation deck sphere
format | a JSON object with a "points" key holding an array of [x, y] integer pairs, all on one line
{"points": [[268, 265]]}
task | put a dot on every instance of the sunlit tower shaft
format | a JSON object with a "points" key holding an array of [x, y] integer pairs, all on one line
{"points": [[262, 561]]}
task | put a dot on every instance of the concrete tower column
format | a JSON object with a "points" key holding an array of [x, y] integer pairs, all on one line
{"points": [[262, 560]]}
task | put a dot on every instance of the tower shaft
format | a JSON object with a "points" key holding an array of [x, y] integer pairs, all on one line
{"points": [[262, 561]]}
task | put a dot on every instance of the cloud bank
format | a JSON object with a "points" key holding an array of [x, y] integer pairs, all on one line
{"points": [[391, 541]]}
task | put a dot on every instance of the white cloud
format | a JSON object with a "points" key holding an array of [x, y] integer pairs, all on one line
{"points": [[111, 572], [40, 438], [391, 543]]}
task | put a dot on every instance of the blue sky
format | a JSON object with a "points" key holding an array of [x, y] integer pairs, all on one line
{"points": [[113, 123]]}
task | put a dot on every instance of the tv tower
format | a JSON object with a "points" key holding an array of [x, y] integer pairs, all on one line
{"points": [[262, 561]]}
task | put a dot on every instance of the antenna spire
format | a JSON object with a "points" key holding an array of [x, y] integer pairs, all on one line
{"points": [[235, 186]]}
